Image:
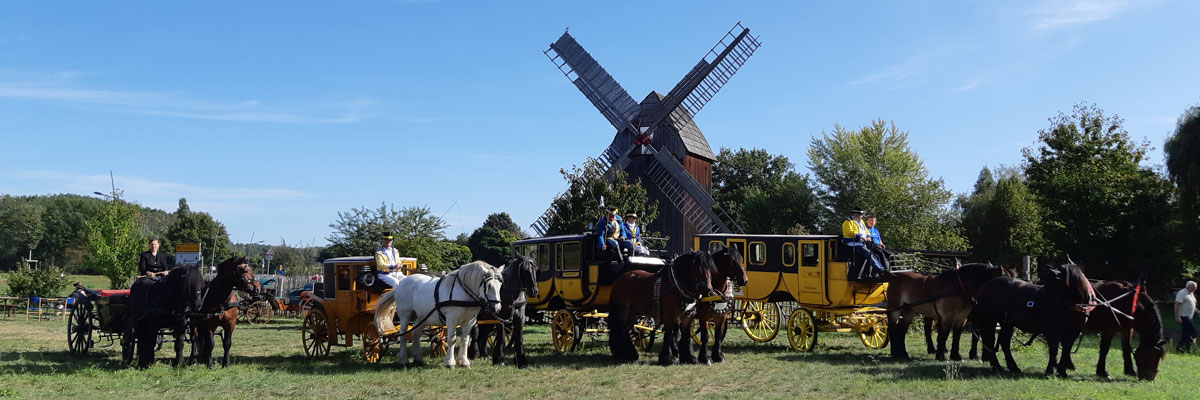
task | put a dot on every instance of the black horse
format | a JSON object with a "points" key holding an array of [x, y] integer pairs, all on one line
{"points": [[1057, 310], [519, 278], [161, 303], [1119, 314], [219, 309]]}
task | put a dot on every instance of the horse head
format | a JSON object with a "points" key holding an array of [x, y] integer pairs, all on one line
{"points": [[730, 265], [236, 270], [526, 274], [1151, 349], [485, 281], [186, 284], [1068, 284], [694, 272]]}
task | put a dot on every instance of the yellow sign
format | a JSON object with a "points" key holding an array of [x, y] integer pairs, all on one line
{"points": [[187, 248]]}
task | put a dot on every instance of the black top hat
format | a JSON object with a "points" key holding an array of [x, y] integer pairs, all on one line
{"points": [[387, 236], [856, 210]]}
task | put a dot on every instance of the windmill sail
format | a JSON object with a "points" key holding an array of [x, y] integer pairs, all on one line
{"points": [[590, 78], [711, 73], [696, 205]]}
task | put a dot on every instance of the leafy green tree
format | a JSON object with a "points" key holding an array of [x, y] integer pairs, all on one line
{"points": [[21, 228], [113, 243], [418, 233], [1183, 167], [874, 168], [41, 282], [64, 220], [1001, 220], [197, 227], [588, 191], [492, 242], [763, 193], [1099, 205], [455, 255]]}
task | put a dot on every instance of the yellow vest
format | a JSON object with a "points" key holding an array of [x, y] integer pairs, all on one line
{"points": [[851, 229]]}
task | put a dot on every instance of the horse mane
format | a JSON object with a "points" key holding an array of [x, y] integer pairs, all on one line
{"points": [[187, 283], [474, 273], [1148, 319]]}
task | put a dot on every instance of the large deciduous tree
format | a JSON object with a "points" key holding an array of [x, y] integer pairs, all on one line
{"points": [[763, 193], [21, 228], [1099, 205], [588, 191], [113, 241], [197, 227], [1001, 219], [1183, 166], [418, 233], [874, 168], [492, 242]]}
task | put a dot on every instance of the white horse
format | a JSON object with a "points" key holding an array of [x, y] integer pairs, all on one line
{"points": [[452, 301]]}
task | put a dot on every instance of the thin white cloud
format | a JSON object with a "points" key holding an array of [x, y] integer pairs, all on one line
{"points": [[896, 72], [147, 191], [974, 83], [58, 87], [1055, 14]]}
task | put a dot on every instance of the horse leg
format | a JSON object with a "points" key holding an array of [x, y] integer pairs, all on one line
{"points": [[206, 348], [943, 331], [703, 353], [465, 339], [451, 335], [1064, 364], [1005, 342], [1053, 341], [402, 340], [987, 339], [498, 345], [685, 344], [518, 337], [898, 323], [929, 348], [973, 354], [719, 331], [146, 338], [1101, 368], [664, 355], [956, 332], [179, 333], [1126, 352], [226, 343]]}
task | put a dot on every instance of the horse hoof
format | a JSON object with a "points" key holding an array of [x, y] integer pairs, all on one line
{"points": [[1130, 372], [940, 357], [1104, 376], [955, 357]]}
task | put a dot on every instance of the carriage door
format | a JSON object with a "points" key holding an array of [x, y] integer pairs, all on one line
{"points": [[811, 272], [545, 277], [568, 282]]}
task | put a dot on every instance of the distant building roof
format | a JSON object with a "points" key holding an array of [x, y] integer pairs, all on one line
{"points": [[693, 140]]}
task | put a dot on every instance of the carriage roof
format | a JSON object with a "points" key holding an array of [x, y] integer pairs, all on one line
{"points": [[549, 239], [744, 235], [359, 259]]}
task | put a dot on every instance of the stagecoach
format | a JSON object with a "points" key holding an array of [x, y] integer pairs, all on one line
{"points": [[345, 308], [574, 283], [805, 278]]}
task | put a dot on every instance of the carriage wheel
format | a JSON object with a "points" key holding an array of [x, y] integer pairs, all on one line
{"points": [[876, 335], [437, 340], [315, 334], [490, 343], [760, 320], [563, 331], [258, 313], [373, 347], [642, 333], [305, 305], [802, 330], [79, 330], [695, 330]]}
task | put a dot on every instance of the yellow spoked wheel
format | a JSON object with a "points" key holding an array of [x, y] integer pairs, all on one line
{"points": [[642, 333], [315, 334], [563, 331], [373, 347], [695, 329], [876, 334], [760, 320], [802, 330], [437, 340]]}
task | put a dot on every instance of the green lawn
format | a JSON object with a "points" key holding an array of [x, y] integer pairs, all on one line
{"points": [[269, 363]]}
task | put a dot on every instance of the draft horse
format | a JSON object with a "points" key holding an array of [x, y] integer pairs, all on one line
{"points": [[454, 300], [1126, 307], [219, 309], [669, 296], [946, 298], [519, 279], [161, 303], [730, 271], [1057, 309]]}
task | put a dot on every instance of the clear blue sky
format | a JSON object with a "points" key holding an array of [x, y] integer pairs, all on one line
{"points": [[274, 116]]}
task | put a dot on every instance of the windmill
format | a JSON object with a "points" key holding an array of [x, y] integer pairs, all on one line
{"points": [[656, 139]]}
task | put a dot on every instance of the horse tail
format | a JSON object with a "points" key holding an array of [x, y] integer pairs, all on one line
{"points": [[619, 343]]}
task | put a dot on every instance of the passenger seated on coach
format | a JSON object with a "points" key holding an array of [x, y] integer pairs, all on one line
{"points": [[609, 235], [858, 238], [633, 235]]}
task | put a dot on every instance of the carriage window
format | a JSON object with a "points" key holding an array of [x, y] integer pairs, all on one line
{"points": [[808, 255], [789, 254], [758, 253], [329, 277], [570, 256], [543, 256], [343, 277], [715, 246]]}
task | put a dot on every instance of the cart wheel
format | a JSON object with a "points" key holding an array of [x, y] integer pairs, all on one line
{"points": [[437, 340], [563, 331], [315, 334], [490, 343], [802, 330], [79, 330], [305, 305], [875, 336], [258, 313], [373, 347], [695, 330], [642, 334], [760, 320]]}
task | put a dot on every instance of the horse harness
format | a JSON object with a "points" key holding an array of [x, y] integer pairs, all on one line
{"points": [[689, 299], [476, 299]]}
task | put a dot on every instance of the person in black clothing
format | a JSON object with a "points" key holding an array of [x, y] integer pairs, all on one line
{"points": [[152, 262]]}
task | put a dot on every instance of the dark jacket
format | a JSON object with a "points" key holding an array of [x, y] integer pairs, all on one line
{"points": [[151, 263]]}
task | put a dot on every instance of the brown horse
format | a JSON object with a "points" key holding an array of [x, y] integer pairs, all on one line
{"points": [[219, 309], [946, 298], [1057, 310], [730, 271], [668, 296], [1117, 314]]}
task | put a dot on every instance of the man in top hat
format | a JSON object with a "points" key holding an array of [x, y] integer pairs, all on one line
{"points": [[856, 235], [609, 231], [633, 235], [387, 261]]}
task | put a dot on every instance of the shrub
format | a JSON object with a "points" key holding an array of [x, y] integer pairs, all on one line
{"points": [[46, 282]]}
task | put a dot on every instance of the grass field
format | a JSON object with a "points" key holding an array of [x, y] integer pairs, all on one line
{"points": [[269, 362], [91, 281]]}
